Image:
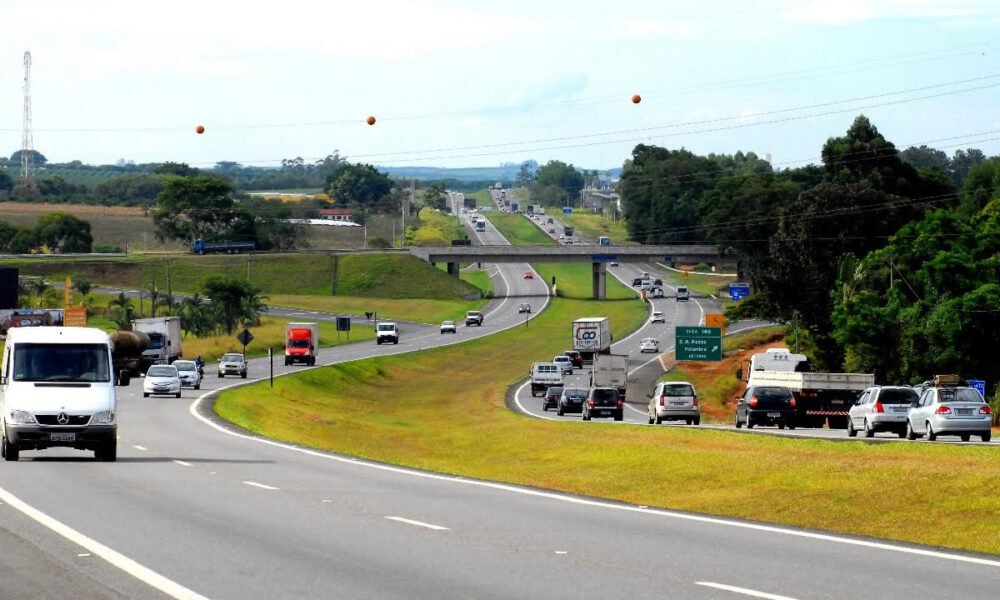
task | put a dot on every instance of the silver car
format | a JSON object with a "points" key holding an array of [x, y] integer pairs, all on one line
{"points": [[233, 363], [881, 408], [950, 410], [673, 401], [161, 380], [188, 373]]}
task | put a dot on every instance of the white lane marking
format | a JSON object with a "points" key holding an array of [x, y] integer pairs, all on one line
{"points": [[84, 555], [119, 560], [517, 401], [143, 448], [260, 485], [182, 463], [561, 552], [661, 513], [744, 591], [418, 523]]}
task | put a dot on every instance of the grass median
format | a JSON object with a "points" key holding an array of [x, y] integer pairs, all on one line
{"points": [[444, 410]]}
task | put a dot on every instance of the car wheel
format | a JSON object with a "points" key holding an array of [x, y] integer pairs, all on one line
{"points": [[869, 431], [739, 424], [545, 407], [965, 437], [145, 394], [931, 436], [559, 410], [619, 416], [659, 420], [221, 375], [749, 422], [901, 433], [910, 434], [986, 436], [586, 416], [10, 451], [177, 395], [781, 425], [243, 376], [697, 421], [687, 421], [851, 431], [197, 386], [651, 419]]}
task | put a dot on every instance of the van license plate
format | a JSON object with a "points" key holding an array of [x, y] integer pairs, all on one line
{"points": [[62, 437], [773, 415]]}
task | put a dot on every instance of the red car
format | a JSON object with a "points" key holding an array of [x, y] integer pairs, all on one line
{"points": [[528, 275]]}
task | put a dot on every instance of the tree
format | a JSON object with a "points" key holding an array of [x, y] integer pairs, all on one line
{"points": [[559, 174], [37, 158], [176, 169], [6, 181], [925, 156], [525, 175], [358, 185], [196, 315], [64, 233], [123, 310], [433, 196], [191, 208], [234, 301]]}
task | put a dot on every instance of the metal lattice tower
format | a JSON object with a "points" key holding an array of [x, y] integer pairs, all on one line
{"points": [[27, 153]]}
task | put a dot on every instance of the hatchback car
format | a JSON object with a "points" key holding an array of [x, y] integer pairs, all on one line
{"points": [[449, 327], [673, 401], [523, 307], [683, 294], [161, 380], [571, 400], [188, 373], [551, 397], [565, 363], [949, 410], [649, 345], [766, 405], [603, 402], [657, 317], [528, 275], [881, 408], [233, 363], [575, 357]]}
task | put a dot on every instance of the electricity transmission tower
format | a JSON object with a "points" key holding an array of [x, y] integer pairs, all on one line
{"points": [[27, 153]]}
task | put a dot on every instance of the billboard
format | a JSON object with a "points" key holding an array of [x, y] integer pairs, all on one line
{"points": [[29, 317]]}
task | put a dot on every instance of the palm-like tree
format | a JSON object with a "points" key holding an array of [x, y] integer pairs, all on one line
{"points": [[123, 310]]}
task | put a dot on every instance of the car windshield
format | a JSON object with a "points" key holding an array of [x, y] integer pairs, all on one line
{"points": [[161, 371], [575, 393], [771, 393], [959, 395], [185, 365], [62, 362], [232, 358], [678, 389], [553, 391], [900, 396]]}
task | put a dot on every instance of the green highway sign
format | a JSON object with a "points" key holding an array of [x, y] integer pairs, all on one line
{"points": [[699, 343]]}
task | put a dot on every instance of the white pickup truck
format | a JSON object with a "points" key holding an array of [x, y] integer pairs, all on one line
{"points": [[543, 376]]}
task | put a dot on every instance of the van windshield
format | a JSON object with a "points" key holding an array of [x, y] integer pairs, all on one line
{"points": [[298, 343], [62, 362]]}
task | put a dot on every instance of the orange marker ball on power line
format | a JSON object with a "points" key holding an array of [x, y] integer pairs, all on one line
{"points": [[370, 120], [636, 99], [199, 129]]}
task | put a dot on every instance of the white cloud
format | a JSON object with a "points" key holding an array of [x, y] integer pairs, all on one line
{"points": [[844, 12], [634, 28]]}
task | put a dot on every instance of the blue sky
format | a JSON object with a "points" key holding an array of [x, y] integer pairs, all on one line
{"points": [[479, 83]]}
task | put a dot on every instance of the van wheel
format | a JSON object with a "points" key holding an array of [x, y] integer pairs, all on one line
{"points": [[107, 452], [10, 451]]}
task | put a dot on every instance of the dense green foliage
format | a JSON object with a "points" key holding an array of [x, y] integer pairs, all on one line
{"points": [[55, 233]]}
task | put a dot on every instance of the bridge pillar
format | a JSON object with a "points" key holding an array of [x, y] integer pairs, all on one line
{"points": [[453, 268], [600, 281]]}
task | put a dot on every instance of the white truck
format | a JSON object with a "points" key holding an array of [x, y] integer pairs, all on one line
{"points": [[591, 336], [611, 370], [820, 398], [543, 376], [164, 339]]}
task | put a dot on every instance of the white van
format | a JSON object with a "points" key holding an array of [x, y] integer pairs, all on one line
{"points": [[57, 388]]}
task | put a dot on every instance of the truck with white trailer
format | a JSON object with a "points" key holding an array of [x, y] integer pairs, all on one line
{"points": [[591, 336], [164, 339], [611, 371]]}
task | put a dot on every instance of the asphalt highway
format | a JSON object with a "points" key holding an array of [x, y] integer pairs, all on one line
{"points": [[197, 509]]}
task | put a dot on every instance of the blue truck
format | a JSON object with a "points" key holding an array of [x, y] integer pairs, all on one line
{"points": [[203, 247]]}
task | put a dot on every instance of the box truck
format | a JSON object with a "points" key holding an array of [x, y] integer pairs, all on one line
{"points": [[301, 343]]}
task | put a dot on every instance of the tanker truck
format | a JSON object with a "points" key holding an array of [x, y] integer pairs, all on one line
{"points": [[127, 349]]}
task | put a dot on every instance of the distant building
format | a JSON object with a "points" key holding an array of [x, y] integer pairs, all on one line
{"points": [[337, 214]]}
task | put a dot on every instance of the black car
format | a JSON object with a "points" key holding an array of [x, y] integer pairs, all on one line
{"points": [[575, 357], [766, 405], [571, 400], [603, 402], [657, 282], [551, 397], [636, 282]]}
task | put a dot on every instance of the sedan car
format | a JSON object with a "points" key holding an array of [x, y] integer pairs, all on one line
{"points": [[649, 345], [657, 317], [673, 401], [528, 275], [565, 363], [571, 400], [162, 380], [551, 397], [188, 372], [881, 408], [233, 363], [950, 410], [523, 307], [449, 327]]}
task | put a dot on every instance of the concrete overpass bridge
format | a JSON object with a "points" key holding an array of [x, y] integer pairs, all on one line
{"points": [[598, 256]]}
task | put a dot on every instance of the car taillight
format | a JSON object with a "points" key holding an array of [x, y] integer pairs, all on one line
{"points": [[878, 407], [791, 402], [663, 401], [619, 403], [753, 400], [694, 402], [590, 403], [942, 410], [986, 410]]}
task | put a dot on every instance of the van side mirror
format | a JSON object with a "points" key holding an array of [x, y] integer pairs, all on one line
{"points": [[124, 378]]}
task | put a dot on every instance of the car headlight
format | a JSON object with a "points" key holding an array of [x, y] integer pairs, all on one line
{"points": [[21, 417], [105, 417]]}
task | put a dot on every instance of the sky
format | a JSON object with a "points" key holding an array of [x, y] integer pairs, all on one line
{"points": [[467, 83]]}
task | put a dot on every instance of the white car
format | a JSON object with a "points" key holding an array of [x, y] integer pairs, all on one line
{"points": [[162, 380], [565, 364], [188, 373], [449, 327], [657, 317], [950, 410], [649, 345]]}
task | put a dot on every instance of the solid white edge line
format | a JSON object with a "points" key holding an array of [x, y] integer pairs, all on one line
{"points": [[117, 559], [517, 401], [418, 523], [142, 448], [663, 513], [182, 463], [744, 591], [261, 485]]}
